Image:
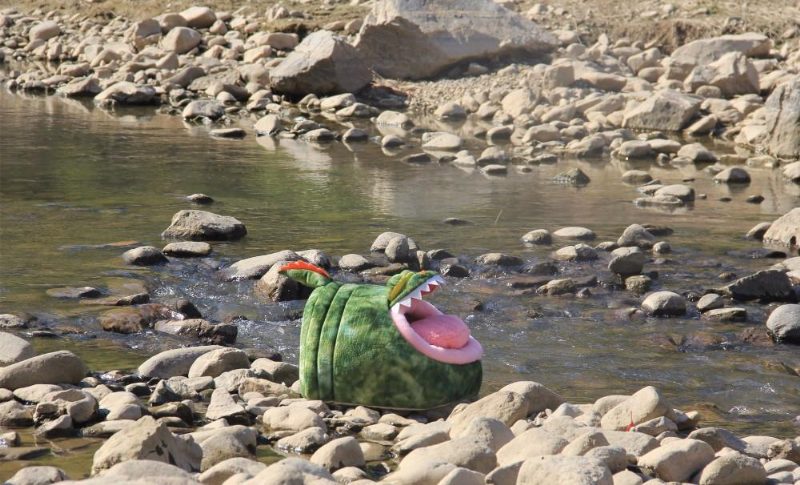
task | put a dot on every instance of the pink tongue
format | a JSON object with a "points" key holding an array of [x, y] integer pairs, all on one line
{"points": [[446, 331]]}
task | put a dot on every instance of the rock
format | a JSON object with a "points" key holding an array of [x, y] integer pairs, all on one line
{"points": [[219, 473], [322, 64], [573, 470], [711, 301], [203, 108], [684, 193], [44, 31], [256, 267], [733, 469], [579, 252], [504, 406], [537, 397], [636, 235], [697, 153], [733, 314], [705, 51], [144, 256], [578, 233], [86, 86], [187, 249], [394, 119], [216, 362], [14, 349], [218, 333], [440, 140], [134, 319], [533, 442], [199, 17], [557, 287], [282, 372], [733, 74], [354, 263], [269, 125], [120, 405], [635, 149], [426, 39], [291, 418], [80, 406], [14, 414], [175, 362], [665, 110], [236, 133], [664, 303], [626, 261], [305, 441], [574, 176], [450, 111], [181, 40], [339, 453], [293, 471], [125, 92], [614, 457], [677, 460], [733, 175], [784, 323], [61, 367], [636, 177], [201, 225], [38, 475], [785, 231], [538, 236], [222, 406], [642, 406], [498, 259], [147, 440], [782, 118], [462, 452], [767, 285]]}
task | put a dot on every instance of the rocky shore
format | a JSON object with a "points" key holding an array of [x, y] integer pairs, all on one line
{"points": [[213, 413]]}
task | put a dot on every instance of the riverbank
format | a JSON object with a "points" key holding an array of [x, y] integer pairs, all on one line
{"points": [[563, 127]]}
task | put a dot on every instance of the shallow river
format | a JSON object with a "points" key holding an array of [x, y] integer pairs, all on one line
{"points": [[74, 178]]}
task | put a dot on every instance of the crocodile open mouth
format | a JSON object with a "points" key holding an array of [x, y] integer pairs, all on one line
{"points": [[444, 338]]}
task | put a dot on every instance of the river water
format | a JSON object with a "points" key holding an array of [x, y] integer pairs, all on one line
{"points": [[75, 179]]}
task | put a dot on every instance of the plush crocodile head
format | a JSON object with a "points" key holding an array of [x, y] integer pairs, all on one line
{"points": [[383, 346]]}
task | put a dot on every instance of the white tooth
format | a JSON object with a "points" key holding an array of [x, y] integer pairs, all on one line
{"points": [[406, 303], [438, 279], [425, 288], [416, 294]]}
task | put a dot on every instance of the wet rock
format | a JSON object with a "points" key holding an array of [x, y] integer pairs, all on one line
{"points": [[636, 235], [426, 39], [218, 333], [125, 92], [697, 153], [711, 301], [8, 320], [537, 236], [175, 362], [86, 86], [181, 40], [684, 193], [578, 233], [782, 117], [144, 256], [276, 286], [440, 140], [14, 414], [677, 460], [498, 259], [758, 231], [784, 323], [203, 108], [626, 261], [354, 263], [147, 440], [557, 287], [256, 267], [636, 177], [664, 303], [638, 283], [785, 231], [322, 64], [14, 349], [733, 175], [767, 285], [38, 475], [450, 111], [732, 314], [201, 225], [574, 176], [579, 252], [665, 110], [187, 249], [237, 133], [134, 318], [73, 292], [453, 269], [51, 368]]}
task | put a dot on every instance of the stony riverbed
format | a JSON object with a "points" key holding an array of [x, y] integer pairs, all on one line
{"points": [[616, 221]]}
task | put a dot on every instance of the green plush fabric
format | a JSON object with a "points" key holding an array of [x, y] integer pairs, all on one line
{"points": [[352, 353]]}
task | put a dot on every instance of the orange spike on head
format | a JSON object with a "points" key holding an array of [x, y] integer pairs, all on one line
{"points": [[306, 266]]}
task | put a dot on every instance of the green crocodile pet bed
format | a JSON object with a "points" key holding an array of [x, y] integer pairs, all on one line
{"points": [[383, 346]]}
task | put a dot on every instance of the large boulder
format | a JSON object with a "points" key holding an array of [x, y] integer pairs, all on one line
{"points": [[204, 226], [181, 40], [573, 470], [782, 116], [677, 460], [125, 92], [665, 110], [767, 285], [174, 362], [415, 39], [61, 367], [322, 64], [257, 266], [148, 440], [784, 323], [733, 74], [705, 51], [785, 231], [14, 349]]}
